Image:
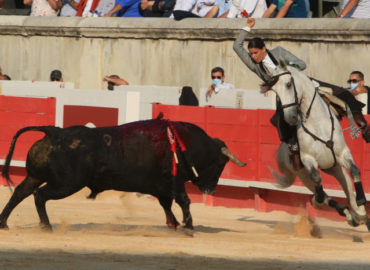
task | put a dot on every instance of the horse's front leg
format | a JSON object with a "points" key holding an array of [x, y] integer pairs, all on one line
{"points": [[312, 168]]}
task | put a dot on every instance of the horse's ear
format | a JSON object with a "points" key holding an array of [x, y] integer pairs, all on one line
{"points": [[283, 65]]}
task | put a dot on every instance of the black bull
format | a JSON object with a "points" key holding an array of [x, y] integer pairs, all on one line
{"points": [[134, 157]]}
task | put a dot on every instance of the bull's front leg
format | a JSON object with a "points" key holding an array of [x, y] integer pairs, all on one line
{"points": [[183, 201], [166, 203]]}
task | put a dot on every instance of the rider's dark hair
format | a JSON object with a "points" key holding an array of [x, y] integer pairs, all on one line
{"points": [[256, 43]]}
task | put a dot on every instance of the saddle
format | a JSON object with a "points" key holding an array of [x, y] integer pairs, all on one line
{"points": [[336, 105]]}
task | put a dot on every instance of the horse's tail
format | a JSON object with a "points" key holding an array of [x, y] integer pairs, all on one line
{"points": [[5, 171], [285, 167]]}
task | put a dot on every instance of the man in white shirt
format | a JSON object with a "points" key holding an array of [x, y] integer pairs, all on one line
{"points": [[218, 82], [359, 9]]}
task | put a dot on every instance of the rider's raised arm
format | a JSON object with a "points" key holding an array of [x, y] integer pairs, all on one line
{"points": [[239, 46]]}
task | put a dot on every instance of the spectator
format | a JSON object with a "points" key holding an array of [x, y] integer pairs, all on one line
{"points": [[4, 77], [223, 7], [125, 8], [114, 80], [254, 9], [218, 82], [2, 4], [355, 9], [89, 8], [287, 8], [357, 83], [44, 7], [157, 8], [69, 8], [187, 97], [357, 86], [56, 76], [184, 9], [206, 8]]}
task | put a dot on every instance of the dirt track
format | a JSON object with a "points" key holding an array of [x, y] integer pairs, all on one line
{"points": [[123, 231]]}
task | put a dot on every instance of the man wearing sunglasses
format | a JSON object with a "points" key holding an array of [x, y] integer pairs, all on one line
{"points": [[357, 83], [218, 82]]}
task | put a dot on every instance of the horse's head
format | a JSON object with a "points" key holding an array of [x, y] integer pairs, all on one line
{"points": [[285, 88]]}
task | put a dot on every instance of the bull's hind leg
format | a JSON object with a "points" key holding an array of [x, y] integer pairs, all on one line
{"points": [[49, 192], [22, 191], [166, 203]]}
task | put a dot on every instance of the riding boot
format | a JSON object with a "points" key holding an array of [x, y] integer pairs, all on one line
{"points": [[361, 122], [294, 154]]}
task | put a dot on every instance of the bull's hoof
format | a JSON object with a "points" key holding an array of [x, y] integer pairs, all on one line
{"points": [[316, 204], [46, 227], [4, 227], [173, 226]]}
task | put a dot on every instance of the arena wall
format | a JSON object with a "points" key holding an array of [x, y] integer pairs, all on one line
{"points": [[246, 132], [159, 51]]}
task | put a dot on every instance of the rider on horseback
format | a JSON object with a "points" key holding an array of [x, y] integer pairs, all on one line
{"points": [[261, 60]]}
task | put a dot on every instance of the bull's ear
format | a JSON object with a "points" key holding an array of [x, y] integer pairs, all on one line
{"points": [[283, 65]]}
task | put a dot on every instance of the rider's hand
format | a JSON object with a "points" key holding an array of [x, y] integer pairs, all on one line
{"points": [[264, 88], [250, 22]]}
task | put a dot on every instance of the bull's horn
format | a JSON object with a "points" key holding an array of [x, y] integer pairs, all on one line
{"points": [[232, 157]]}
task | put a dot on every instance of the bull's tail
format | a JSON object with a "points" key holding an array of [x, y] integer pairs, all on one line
{"points": [[5, 171]]}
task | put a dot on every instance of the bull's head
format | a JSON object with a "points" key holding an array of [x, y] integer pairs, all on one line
{"points": [[209, 176]]}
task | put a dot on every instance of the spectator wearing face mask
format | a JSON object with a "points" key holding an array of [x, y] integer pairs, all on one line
{"points": [[357, 83], [357, 86], [218, 82]]}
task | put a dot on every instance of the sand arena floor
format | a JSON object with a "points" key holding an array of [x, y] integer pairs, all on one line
{"points": [[124, 231]]}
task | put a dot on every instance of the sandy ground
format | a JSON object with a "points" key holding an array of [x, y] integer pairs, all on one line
{"points": [[124, 231]]}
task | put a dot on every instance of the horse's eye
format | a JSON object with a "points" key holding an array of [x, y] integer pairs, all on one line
{"points": [[289, 84]]}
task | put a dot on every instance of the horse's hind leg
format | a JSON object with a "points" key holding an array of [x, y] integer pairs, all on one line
{"points": [[22, 191], [343, 178], [340, 208], [50, 192]]}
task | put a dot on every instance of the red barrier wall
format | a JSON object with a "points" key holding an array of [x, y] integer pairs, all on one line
{"points": [[16, 113], [249, 134]]}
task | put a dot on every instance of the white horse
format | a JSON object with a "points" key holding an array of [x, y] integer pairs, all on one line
{"points": [[321, 142]]}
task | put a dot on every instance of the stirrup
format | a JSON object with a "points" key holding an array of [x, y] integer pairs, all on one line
{"points": [[293, 148]]}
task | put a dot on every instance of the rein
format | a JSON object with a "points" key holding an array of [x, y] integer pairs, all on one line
{"points": [[330, 143]]}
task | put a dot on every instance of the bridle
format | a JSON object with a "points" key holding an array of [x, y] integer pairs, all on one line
{"points": [[297, 103]]}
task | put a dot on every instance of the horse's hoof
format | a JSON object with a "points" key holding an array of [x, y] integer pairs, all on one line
{"points": [[361, 219], [353, 223], [316, 204]]}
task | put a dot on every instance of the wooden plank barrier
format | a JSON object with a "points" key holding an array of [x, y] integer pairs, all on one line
{"points": [[249, 134]]}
